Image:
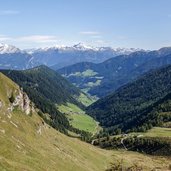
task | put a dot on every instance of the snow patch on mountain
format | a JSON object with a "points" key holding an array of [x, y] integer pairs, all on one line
{"points": [[6, 49]]}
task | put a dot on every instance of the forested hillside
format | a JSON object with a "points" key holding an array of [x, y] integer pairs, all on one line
{"points": [[46, 89], [137, 106]]}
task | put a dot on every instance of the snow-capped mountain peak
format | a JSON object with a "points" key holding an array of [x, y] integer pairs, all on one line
{"points": [[5, 48], [81, 46]]}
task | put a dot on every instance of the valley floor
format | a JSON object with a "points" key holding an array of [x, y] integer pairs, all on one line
{"points": [[79, 119]]}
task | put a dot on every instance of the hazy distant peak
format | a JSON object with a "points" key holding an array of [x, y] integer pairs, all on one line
{"points": [[5, 48], [84, 47]]}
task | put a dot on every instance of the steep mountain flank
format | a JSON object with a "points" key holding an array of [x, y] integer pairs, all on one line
{"points": [[138, 105], [48, 90]]}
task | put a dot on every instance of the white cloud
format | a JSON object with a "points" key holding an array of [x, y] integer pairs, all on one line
{"points": [[30, 41], [9, 12], [4, 38], [96, 37], [89, 33], [38, 39]]}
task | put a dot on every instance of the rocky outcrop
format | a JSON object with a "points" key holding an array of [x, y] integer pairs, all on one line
{"points": [[22, 100], [26, 104]]}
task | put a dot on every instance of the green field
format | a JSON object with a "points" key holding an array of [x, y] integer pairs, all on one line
{"points": [[86, 100], [155, 132], [78, 118], [89, 73], [83, 122], [86, 73], [93, 84], [158, 132]]}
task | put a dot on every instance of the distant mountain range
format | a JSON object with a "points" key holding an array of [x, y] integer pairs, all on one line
{"points": [[57, 56], [13, 58], [103, 78]]}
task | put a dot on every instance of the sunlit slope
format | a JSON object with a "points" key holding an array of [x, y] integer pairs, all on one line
{"points": [[6, 88], [31, 146]]}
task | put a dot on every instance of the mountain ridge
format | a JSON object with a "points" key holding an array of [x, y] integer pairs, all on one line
{"points": [[109, 75], [56, 56]]}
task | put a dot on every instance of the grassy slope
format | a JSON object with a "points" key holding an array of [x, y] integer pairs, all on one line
{"points": [[147, 162], [23, 148], [78, 118], [6, 84], [85, 99]]}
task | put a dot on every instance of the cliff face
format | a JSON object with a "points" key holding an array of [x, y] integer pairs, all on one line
{"points": [[23, 102], [12, 96]]}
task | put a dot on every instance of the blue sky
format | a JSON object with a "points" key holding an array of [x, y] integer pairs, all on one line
{"points": [[117, 23]]}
